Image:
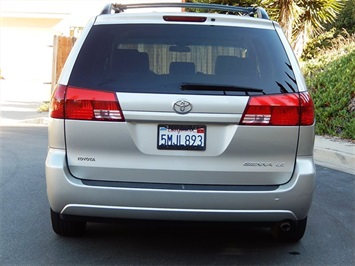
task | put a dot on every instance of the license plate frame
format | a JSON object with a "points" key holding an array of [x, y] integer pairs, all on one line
{"points": [[181, 137]]}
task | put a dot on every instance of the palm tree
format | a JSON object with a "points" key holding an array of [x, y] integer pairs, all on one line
{"points": [[303, 19]]}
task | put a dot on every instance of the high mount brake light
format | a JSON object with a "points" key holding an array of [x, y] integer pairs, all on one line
{"points": [[279, 110], [184, 18], [85, 104]]}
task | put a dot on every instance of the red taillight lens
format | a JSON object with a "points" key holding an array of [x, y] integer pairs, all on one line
{"points": [[85, 104], [279, 110], [185, 18], [307, 109], [57, 102]]}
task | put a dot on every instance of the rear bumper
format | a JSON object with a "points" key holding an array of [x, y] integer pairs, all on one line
{"points": [[69, 196]]}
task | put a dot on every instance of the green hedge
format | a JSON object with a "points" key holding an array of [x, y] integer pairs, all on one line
{"points": [[332, 86]]}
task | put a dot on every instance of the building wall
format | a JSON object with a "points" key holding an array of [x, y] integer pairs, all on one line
{"points": [[25, 53]]}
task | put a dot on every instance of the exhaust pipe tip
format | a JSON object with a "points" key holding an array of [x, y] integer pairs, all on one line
{"points": [[285, 226]]}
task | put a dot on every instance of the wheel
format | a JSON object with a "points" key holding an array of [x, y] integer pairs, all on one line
{"points": [[289, 231], [66, 228]]}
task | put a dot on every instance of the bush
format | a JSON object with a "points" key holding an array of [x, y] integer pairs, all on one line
{"points": [[345, 20], [317, 44], [332, 85]]}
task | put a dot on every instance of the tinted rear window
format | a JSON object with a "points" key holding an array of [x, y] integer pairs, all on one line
{"points": [[158, 58]]}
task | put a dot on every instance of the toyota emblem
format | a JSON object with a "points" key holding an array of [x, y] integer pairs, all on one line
{"points": [[182, 107]]}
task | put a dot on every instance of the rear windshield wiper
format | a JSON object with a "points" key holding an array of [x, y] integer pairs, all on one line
{"points": [[224, 88]]}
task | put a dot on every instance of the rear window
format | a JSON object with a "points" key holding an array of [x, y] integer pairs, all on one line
{"points": [[160, 58]]}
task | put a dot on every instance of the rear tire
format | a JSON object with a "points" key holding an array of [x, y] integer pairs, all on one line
{"points": [[294, 234], [66, 228]]}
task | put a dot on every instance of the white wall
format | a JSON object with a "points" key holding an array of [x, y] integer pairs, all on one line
{"points": [[25, 57]]}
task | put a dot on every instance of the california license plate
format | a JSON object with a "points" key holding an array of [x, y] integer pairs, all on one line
{"points": [[181, 137]]}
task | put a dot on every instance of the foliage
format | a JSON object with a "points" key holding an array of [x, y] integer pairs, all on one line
{"points": [[225, 2], [303, 19], [330, 79], [317, 44], [345, 20], [338, 47], [228, 2], [44, 107], [344, 25]]}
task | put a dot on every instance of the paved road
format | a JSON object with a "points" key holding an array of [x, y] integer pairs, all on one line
{"points": [[26, 237]]}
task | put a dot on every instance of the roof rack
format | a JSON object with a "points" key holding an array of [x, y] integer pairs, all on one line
{"points": [[243, 11]]}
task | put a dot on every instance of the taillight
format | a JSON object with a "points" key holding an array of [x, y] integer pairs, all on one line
{"points": [[85, 104], [307, 109], [57, 102], [279, 110]]}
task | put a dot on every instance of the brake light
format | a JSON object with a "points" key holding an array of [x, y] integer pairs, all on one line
{"points": [[184, 18], [279, 110], [85, 104]]}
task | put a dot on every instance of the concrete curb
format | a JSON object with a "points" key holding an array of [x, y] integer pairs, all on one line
{"points": [[335, 153], [39, 121]]}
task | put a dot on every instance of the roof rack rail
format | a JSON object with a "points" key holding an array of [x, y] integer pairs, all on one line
{"points": [[244, 11]]}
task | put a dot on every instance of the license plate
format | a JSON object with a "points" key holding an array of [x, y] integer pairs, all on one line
{"points": [[181, 137]]}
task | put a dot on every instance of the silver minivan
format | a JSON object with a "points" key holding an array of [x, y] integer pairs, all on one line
{"points": [[181, 116]]}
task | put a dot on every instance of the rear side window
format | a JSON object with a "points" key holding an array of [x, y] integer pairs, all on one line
{"points": [[159, 58]]}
